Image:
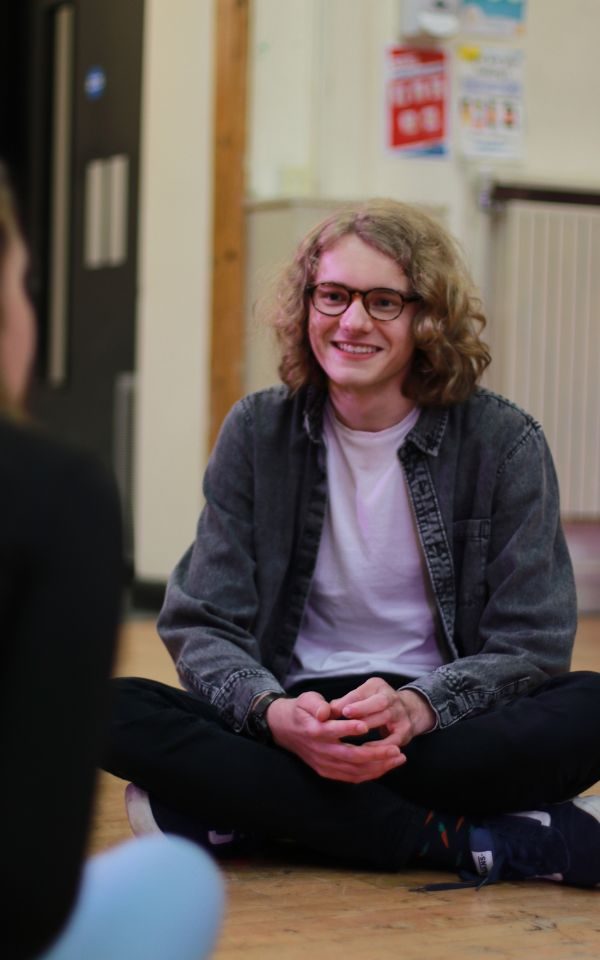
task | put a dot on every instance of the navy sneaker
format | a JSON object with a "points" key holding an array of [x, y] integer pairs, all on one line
{"points": [[559, 842], [148, 815]]}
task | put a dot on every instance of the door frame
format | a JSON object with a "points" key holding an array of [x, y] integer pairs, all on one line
{"points": [[228, 337]]}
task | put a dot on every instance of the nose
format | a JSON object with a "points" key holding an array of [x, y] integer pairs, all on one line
{"points": [[356, 318]]}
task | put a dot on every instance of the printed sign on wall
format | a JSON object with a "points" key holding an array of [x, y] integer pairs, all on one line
{"points": [[416, 101], [491, 101], [493, 18]]}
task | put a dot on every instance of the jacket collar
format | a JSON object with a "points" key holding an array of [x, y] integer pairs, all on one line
{"points": [[427, 433], [313, 413]]}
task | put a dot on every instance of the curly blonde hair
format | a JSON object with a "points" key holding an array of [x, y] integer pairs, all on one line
{"points": [[449, 355]]}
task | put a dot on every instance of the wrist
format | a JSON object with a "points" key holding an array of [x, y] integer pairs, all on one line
{"points": [[419, 710], [276, 716], [256, 724]]}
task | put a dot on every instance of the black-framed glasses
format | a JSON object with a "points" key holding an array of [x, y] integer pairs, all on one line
{"points": [[333, 299]]}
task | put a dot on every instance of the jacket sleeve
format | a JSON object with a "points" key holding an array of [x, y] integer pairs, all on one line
{"points": [[211, 603], [523, 632]]}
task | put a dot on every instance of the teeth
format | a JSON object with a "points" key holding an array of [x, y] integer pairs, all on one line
{"points": [[355, 348]]}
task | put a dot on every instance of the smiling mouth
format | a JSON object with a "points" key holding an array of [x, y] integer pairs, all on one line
{"points": [[356, 349]]}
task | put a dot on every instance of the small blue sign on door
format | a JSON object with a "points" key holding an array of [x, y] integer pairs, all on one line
{"points": [[95, 83]]}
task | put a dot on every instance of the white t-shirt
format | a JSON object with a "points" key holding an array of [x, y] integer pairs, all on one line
{"points": [[370, 607]]}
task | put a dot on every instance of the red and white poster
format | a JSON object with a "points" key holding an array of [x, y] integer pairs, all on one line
{"points": [[416, 101]]}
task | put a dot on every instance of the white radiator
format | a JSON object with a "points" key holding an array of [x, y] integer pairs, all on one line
{"points": [[544, 331]]}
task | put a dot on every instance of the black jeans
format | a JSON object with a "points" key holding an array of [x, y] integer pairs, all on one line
{"points": [[541, 748]]}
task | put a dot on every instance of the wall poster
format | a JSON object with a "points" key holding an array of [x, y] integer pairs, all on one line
{"points": [[416, 101], [493, 18], [490, 102]]}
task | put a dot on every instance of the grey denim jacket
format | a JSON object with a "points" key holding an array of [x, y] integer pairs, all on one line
{"points": [[484, 493]]}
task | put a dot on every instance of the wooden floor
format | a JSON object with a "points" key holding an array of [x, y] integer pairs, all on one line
{"points": [[284, 911]]}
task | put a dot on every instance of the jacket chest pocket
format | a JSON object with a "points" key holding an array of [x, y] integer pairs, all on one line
{"points": [[470, 549]]}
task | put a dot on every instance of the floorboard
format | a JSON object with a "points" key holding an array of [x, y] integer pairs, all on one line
{"points": [[299, 910]]}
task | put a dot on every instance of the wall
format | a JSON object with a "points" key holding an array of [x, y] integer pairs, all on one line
{"points": [[174, 292], [315, 133], [562, 83], [325, 136]]}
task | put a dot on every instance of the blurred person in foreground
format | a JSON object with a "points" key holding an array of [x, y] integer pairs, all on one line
{"points": [[60, 589], [374, 625]]}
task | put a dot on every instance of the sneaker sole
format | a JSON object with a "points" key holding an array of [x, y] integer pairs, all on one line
{"points": [[589, 805]]}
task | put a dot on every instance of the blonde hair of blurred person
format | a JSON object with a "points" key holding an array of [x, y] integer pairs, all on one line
{"points": [[17, 324]]}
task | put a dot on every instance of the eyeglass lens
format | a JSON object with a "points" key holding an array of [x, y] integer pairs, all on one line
{"points": [[332, 300]]}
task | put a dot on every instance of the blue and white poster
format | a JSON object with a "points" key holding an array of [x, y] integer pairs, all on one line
{"points": [[490, 86], [493, 18]]}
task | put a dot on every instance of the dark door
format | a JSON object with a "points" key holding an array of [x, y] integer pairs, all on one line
{"points": [[82, 360], [72, 137]]}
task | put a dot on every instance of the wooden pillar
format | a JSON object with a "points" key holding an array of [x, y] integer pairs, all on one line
{"points": [[228, 326]]}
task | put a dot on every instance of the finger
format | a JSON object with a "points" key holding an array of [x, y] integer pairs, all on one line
{"points": [[315, 705], [328, 732], [334, 730], [357, 694], [365, 753], [386, 721], [374, 704], [399, 736], [358, 774], [352, 756]]}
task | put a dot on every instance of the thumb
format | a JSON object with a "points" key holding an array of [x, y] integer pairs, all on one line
{"points": [[315, 705]]}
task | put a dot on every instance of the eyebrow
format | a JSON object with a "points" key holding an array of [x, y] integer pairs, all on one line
{"points": [[346, 286]]}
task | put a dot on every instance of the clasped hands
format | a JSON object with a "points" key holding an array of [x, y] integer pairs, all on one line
{"points": [[314, 729]]}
